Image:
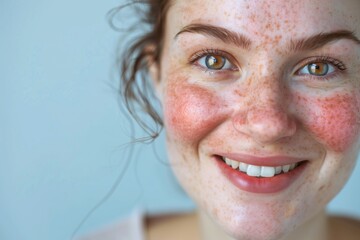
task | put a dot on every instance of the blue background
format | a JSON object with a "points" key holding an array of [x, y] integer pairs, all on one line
{"points": [[62, 132]]}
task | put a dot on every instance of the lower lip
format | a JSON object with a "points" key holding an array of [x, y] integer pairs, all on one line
{"points": [[260, 185]]}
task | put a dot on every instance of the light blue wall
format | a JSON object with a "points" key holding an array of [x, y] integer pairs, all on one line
{"points": [[61, 130]]}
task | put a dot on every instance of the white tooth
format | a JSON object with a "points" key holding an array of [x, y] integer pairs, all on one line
{"points": [[267, 171], [234, 164], [292, 166], [286, 168], [228, 161], [253, 171], [278, 170], [243, 167]]}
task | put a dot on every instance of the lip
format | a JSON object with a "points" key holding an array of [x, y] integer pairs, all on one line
{"points": [[264, 185]]}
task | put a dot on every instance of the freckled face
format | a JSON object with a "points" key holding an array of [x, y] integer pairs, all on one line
{"points": [[264, 99]]}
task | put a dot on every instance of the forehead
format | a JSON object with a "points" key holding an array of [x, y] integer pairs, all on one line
{"points": [[266, 18]]}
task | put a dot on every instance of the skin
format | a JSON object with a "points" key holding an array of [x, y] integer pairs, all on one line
{"points": [[263, 108]]}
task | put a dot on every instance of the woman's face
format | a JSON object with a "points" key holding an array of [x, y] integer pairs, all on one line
{"points": [[271, 87]]}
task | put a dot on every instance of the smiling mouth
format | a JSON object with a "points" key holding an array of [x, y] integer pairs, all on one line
{"points": [[264, 175], [260, 171]]}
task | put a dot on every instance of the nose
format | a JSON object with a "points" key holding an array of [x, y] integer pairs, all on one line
{"points": [[265, 123]]}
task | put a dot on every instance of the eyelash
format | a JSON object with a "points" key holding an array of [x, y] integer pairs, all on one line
{"points": [[326, 59], [338, 65], [318, 59]]}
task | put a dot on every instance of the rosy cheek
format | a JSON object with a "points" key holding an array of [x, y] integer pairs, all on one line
{"points": [[333, 120], [190, 111]]}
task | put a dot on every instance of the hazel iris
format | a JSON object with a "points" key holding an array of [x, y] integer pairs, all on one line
{"points": [[318, 68], [215, 62]]}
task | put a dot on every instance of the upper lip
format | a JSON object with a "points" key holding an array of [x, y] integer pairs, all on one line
{"points": [[271, 161]]}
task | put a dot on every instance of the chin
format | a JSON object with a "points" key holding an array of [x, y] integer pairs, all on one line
{"points": [[254, 219], [258, 228]]}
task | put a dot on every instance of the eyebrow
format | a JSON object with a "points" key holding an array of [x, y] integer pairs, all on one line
{"points": [[223, 34], [321, 39], [240, 40]]}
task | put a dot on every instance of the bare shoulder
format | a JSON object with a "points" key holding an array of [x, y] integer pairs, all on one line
{"points": [[173, 226], [344, 227]]}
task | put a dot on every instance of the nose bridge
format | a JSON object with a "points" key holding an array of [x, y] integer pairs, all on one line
{"points": [[266, 117], [265, 81], [267, 93]]}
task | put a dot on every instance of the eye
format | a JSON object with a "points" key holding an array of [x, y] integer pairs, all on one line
{"points": [[321, 70], [214, 61], [317, 69]]}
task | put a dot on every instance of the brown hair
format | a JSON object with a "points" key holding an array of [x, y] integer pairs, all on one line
{"points": [[135, 88]]}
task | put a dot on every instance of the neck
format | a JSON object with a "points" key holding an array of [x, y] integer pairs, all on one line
{"points": [[314, 229]]}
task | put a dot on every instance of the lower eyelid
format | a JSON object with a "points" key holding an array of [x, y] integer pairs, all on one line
{"points": [[217, 74]]}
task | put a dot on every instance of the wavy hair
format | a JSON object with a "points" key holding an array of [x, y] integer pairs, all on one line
{"points": [[135, 88]]}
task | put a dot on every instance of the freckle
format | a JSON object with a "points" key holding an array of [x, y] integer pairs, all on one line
{"points": [[252, 18], [239, 93], [333, 120], [268, 26], [290, 210], [321, 188]]}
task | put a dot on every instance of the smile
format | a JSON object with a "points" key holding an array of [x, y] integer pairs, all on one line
{"points": [[259, 171], [260, 174]]}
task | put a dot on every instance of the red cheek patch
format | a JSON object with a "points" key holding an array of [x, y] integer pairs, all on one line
{"points": [[191, 111], [333, 120]]}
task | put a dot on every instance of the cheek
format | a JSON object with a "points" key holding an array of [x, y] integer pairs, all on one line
{"points": [[191, 112], [333, 120]]}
